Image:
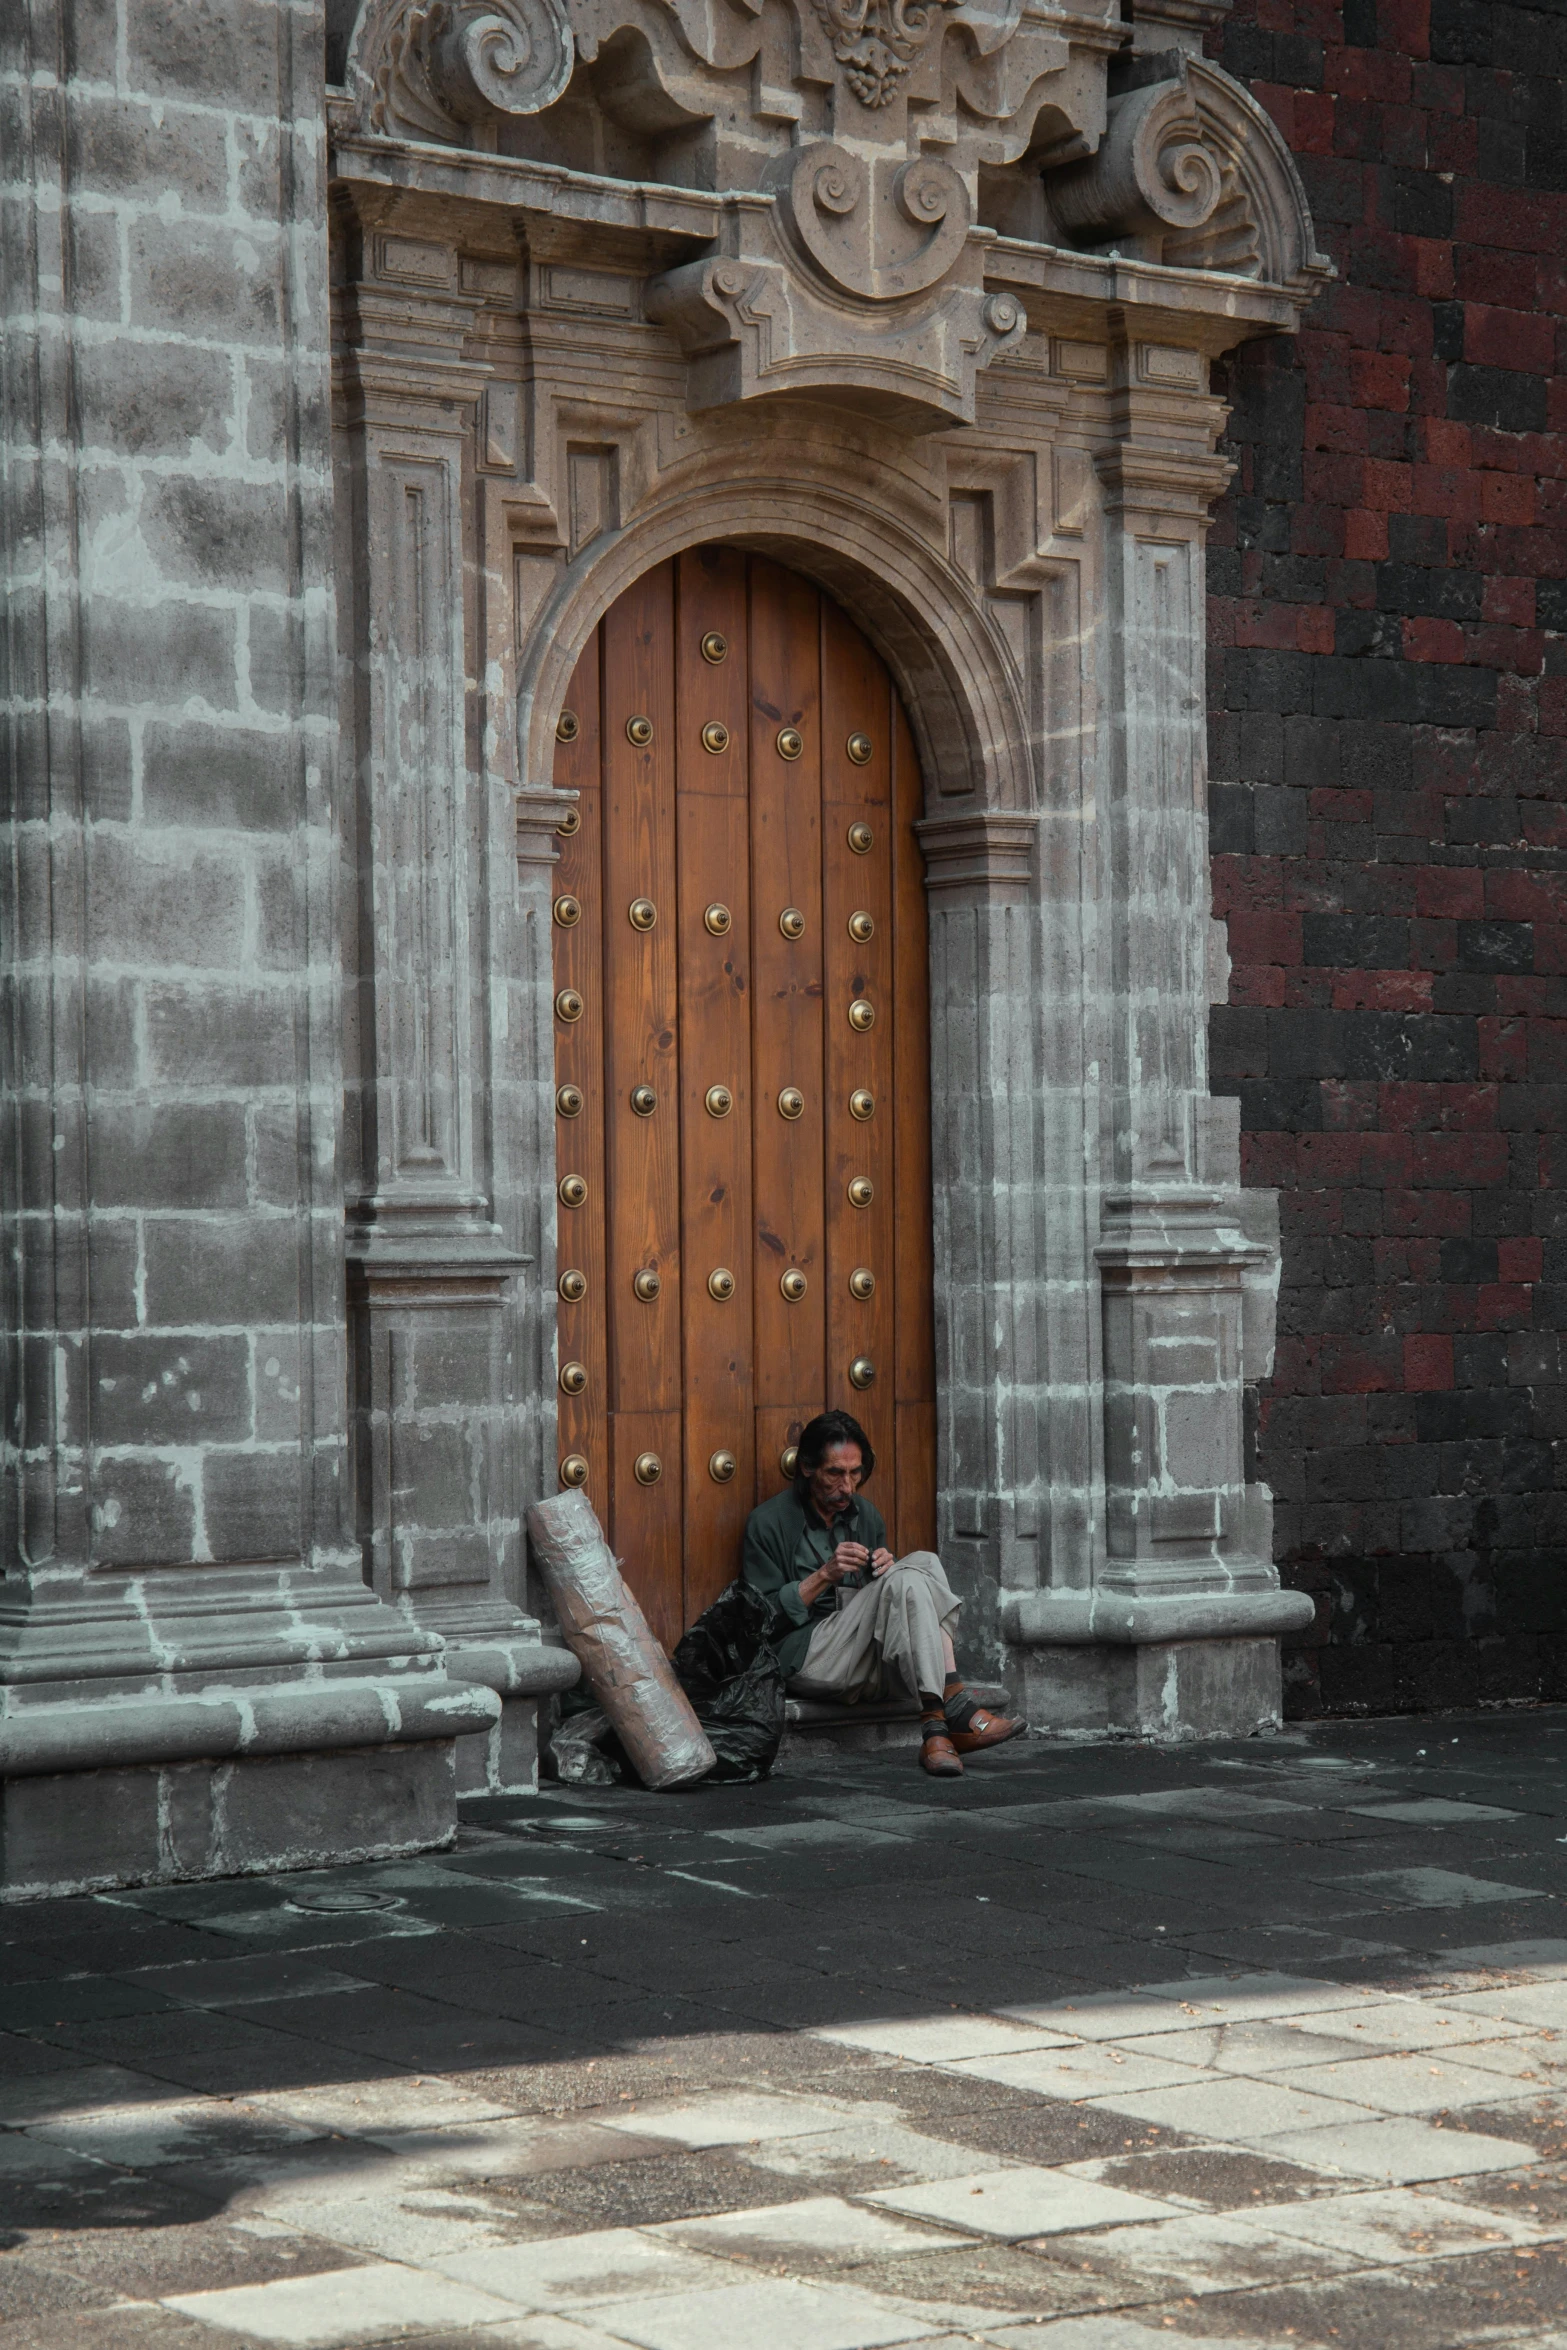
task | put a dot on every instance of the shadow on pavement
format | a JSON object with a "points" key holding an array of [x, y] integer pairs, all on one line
{"points": [[1204, 1980]]}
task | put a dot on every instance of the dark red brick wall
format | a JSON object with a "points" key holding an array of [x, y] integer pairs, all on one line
{"points": [[1388, 624]]}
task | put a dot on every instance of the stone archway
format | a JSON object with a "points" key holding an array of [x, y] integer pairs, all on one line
{"points": [[1013, 1299], [872, 533], [999, 452]]}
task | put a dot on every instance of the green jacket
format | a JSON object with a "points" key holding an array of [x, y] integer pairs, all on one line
{"points": [[777, 1556]]}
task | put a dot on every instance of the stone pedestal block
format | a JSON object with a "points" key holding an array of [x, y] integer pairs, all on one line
{"points": [[504, 1760], [816, 1744], [153, 1824], [227, 1720], [817, 1730], [1176, 1689]]}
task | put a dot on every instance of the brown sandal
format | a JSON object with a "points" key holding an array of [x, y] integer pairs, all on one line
{"points": [[938, 1755]]}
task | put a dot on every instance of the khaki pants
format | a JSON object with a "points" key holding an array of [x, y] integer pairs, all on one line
{"points": [[884, 1641]]}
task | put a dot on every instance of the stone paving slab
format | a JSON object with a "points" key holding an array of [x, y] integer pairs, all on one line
{"points": [[1262, 2044]]}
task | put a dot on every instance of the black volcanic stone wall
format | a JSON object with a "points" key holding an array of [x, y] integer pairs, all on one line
{"points": [[1389, 749]]}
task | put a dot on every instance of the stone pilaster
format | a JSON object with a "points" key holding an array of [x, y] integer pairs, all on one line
{"points": [[979, 873], [439, 1241], [1185, 1570]]}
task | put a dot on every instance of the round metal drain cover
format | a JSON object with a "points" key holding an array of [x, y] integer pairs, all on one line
{"points": [[345, 1901]]}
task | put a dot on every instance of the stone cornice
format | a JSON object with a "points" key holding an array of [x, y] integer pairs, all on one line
{"points": [[539, 810], [1209, 308], [1140, 478], [979, 851], [519, 186], [1158, 20]]}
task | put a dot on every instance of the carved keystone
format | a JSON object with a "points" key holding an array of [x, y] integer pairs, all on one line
{"points": [[882, 231]]}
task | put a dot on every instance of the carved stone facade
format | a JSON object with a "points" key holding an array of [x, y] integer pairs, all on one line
{"points": [[919, 299]]}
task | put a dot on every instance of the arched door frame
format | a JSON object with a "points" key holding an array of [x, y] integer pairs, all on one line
{"points": [[1016, 1332]]}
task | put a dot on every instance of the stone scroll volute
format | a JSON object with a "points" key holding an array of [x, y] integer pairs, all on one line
{"points": [[422, 69]]}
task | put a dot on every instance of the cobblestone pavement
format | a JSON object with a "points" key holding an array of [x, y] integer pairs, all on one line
{"points": [[1249, 2044]]}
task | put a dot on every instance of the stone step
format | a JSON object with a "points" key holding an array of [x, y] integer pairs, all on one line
{"points": [[813, 1727]]}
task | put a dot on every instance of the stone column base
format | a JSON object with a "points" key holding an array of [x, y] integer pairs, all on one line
{"points": [[1172, 1690], [157, 1823]]}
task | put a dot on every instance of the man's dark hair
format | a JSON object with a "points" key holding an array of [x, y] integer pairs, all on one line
{"points": [[818, 1437]]}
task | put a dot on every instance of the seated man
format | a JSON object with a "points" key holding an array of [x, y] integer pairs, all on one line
{"points": [[849, 1620]]}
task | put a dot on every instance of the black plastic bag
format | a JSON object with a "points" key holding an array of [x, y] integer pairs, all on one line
{"points": [[726, 1666]]}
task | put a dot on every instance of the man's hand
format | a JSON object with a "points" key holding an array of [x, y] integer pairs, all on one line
{"points": [[847, 1559], [881, 1560]]}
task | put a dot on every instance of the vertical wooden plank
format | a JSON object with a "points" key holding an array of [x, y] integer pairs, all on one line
{"points": [[642, 1153], [712, 832], [915, 1375], [786, 1008], [778, 1429], [646, 1536], [579, 1062], [857, 888]]}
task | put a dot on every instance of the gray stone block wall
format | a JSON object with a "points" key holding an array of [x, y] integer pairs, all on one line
{"points": [[183, 1613], [177, 1392]]}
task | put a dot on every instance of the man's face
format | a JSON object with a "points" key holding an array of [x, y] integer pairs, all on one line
{"points": [[835, 1479]]}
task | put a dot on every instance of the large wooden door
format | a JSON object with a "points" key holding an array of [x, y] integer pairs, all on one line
{"points": [[742, 1068]]}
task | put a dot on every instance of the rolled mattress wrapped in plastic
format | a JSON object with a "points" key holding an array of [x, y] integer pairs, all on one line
{"points": [[608, 1634]]}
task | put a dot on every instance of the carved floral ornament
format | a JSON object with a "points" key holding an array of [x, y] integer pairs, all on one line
{"points": [[875, 41]]}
